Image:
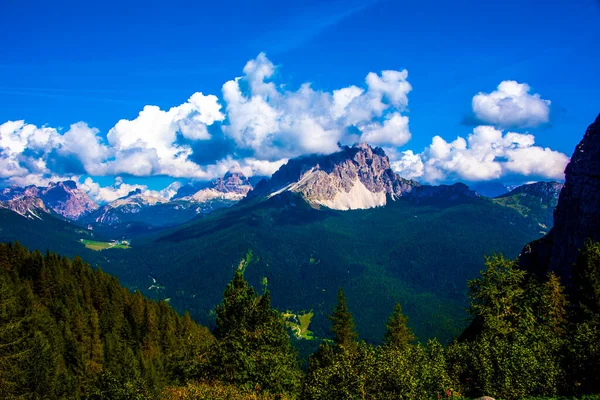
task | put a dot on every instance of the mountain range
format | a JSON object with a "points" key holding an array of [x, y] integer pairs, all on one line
{"points": [[135, 213], [320, 222], [357, 177]]}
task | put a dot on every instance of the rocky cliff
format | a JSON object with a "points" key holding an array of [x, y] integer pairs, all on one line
{"points": [[356, 177], [63, 198], [577, 215]]}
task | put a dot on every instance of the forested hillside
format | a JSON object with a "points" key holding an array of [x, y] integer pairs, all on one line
{"points": [[420, 254], [68, 331]]}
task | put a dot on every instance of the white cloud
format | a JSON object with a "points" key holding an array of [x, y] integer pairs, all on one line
{"points": [[26, 149], [409, 165], [265, 125], [260, 124], [170, 191], [511, 105], [147, 145], [486, 154], [275, 123], [393, 132], [106, 194]]}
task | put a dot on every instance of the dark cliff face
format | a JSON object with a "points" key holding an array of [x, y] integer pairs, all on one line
{"points": [[577, 215]]}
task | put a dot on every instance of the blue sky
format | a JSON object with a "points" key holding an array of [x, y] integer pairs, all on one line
{"points": [[100, 63]]}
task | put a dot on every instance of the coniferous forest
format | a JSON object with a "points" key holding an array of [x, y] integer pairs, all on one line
{"points": [[70, 331]]}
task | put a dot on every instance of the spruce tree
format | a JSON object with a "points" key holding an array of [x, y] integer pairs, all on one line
{"points": [[398, 334], [253, 349], [342, 324]]}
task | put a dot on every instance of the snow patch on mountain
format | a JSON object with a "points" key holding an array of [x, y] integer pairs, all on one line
{"points": [[358, 198]]}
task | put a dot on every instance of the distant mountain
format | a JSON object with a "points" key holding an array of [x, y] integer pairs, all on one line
{"points": [[140, 213], [357, 177], [67, 200], [536, 201], [234, 186], [62, 198], [26, 205]]}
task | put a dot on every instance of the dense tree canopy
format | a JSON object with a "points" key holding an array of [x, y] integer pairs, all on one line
{"points": [[69, 331]]}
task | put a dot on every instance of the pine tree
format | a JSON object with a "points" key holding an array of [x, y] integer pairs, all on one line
{"points": [[342, 324], [398, 334], [253, 347]]}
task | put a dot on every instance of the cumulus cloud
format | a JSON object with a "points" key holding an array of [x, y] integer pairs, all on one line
{"points": [[486, 154], [275, 123], [259, 123], [511, 105], [26, 149], [148, 145]]}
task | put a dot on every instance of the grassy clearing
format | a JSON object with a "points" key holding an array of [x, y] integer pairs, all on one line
{"points": [[299, 324], [98, 246]]}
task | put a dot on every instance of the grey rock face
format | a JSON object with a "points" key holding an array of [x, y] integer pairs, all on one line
{"points": [[321, 179], [63, 198], [577, 215], [232, 182], [28, 206]]}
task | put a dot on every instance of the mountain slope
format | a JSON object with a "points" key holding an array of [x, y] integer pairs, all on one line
{"points": [[68, 331], [45, 232], [535, 201], [419, 253]]}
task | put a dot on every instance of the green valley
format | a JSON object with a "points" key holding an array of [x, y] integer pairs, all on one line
{"points": [[420, 254]]}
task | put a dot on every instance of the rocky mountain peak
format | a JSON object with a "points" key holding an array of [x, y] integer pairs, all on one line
{"points": [[233, 186], [232, 182], [28, 206], [356, 177], [577, 213], [67, 200], [64, 198]]}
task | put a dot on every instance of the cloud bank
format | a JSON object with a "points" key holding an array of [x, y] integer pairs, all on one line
{"points": [[490, 152], [486, 154], [258, 123]]}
